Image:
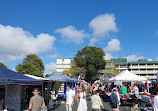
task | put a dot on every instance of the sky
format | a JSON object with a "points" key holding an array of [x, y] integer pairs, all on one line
{"points": [[59, 28]]}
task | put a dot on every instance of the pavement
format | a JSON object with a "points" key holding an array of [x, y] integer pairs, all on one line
{"points": [[61, 106]]}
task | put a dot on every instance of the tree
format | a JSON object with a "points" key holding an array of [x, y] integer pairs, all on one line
{"points": [[48, 75], [74, 71], [92, 60], [110, 70], [1, 64], [32, 65]]}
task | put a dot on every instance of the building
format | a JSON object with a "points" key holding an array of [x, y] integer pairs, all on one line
{"points": [[144, 68], [120, 63], [62, 64]]}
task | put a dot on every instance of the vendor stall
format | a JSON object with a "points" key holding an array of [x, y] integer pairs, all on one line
{"points": [[126, 76], [13, 83]]}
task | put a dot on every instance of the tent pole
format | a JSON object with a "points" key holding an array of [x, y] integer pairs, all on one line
{"points": [[6, 92], [42, 90]]}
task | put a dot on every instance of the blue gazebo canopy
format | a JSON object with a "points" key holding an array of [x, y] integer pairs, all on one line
{"points": [[8, 76], [57, 77]]}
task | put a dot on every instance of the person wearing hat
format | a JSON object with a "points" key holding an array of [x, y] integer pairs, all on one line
{"points": [[96, 102], [36, 102]]}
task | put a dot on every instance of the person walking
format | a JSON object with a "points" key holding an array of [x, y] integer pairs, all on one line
{"points": [[114, 101], [117, 93], [96, 102], [136, 90], [82, 106], [36, 102], [154, 102], [70, 97], [77, 91]]}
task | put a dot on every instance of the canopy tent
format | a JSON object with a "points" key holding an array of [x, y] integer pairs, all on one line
{"points": [[127, 76], [8, 76], [75, 79], [57, 77], [13, 80], [81, 81], [67, 78], [106, 79], [35, 77]]}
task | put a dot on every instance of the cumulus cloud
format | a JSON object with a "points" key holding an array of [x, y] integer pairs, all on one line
{"points": [[15, 43], [134, 57], [108, 56], [102, 25], [70, 34], [56, 55], [50, 68], [113, 46]]}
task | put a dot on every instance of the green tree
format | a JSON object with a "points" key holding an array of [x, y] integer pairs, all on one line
{"points": [[1, 64], [92, 60], [32, 65], [48, 75], [74, 71]]}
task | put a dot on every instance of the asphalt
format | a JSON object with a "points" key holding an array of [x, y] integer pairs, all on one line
{"points": [[61, 106]]}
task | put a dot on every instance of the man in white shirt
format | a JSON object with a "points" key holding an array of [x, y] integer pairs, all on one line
{"points": [[96, 102], [70, 96], [136, 90], [154, 102]]}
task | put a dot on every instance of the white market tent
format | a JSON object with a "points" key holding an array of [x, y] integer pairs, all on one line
{"points": [[128, 76], [35, 77]]}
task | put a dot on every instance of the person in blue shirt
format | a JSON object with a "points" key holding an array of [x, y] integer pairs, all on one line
{"points": [[114, 101]]}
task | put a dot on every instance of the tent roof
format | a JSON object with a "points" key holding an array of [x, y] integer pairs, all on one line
{"points": [[128, 76], [35, 77], [75, 79], [57, 77], [8, 76], [67, 78]]}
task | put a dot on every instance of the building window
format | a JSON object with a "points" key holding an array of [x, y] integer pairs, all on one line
{"points": [[143, 75]]}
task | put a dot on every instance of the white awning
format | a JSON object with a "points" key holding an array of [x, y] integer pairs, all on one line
{"points": [[128, 76], [35, 77]]}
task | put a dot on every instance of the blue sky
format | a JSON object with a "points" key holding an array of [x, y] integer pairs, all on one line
{"points": [[58, 28]]}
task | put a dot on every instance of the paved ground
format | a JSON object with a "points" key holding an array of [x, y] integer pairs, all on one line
{"points": [[107, 107]]}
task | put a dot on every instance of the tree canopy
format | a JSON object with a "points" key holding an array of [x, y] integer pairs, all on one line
{"points": [[110, 70], [74, 71], [32, 65], [91, 59], [1, 64]]}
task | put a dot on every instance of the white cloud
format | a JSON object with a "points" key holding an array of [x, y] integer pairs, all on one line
{"points": [[113, 46], [102, 25], [50, 68], [156, 59], [70, 34], [108, 56], [134, 57], [15, 43], [56, 55], [150, 60]]}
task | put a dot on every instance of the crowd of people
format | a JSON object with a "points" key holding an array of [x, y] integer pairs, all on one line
{"points": [[82, 91]]}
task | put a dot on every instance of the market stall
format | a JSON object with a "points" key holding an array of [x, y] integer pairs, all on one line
{"points": [[13, 83], [126, 76]]}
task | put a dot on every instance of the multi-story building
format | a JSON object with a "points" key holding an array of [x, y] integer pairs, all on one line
{"points": [[62, 64], [120, 63], [144, 68]]}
